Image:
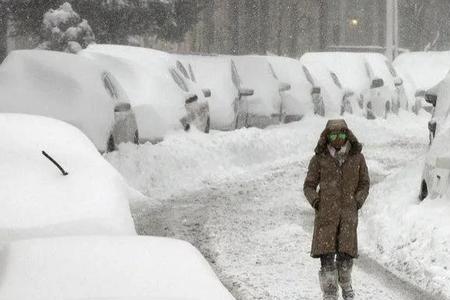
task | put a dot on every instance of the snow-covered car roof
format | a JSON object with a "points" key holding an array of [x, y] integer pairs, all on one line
{"points": [[59, 85], [255, 73], [349, 67], [107, 268], [290, 71], [426, 69], [379, 66], [215, 73], [37, 200], [156, 87]]}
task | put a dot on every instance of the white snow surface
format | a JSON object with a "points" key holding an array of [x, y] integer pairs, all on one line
{"points": [[426, 69], [36, 200], [110, 268], [298, 100], [409, 238], [58, 85]]}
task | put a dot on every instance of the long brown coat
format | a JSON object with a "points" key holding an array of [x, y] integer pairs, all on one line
{"points": [[342, 191]]}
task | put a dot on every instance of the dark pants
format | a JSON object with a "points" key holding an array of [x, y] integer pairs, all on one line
{"points": [[329, 261]]}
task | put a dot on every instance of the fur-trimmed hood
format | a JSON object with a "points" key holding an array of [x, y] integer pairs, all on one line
{"points": [[338, 125]]}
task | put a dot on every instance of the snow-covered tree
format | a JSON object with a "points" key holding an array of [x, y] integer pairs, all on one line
{"points": [[64, 30]]}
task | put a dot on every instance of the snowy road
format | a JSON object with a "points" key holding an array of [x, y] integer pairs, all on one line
{"points": [[255, 226]]}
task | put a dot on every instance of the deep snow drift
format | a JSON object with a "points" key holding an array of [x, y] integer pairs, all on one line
{"points": [[410, 238]]}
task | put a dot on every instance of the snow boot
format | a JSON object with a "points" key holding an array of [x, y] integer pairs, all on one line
{"points": [[345, 278], [328, 278]]}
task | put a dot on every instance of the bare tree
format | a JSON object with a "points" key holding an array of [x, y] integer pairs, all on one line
{"points": [[233, 24]]}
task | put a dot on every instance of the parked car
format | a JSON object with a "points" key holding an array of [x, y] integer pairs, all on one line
{"points": [[227, 106], [359, 80], [161, 92], [380, 67], [54, 182], [264, 106], [422, 71], [337, 100], [300, 99], [110, 268], [70, 88]]}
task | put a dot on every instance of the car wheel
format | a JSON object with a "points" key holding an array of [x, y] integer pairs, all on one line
{"points": [[423, 191], [207, 125], [111, 146], [136, 137]]}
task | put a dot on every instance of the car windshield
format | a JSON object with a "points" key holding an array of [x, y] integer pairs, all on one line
{"points": [[308, 75], [235, 75], [110, 87], [182, 69]]}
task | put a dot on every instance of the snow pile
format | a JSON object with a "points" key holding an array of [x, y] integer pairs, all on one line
{"points": [[215, 73], [64, 30], [36, 200], [119, 268], [58, 85], [408, 237], [426, 69], [186, 162], [298, 100]]}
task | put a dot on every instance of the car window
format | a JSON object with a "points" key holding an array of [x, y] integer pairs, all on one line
{"points": [[235, 75], [182, 69], [308, 75], [179, 80], [336, 80], [272, 71], [191, 72], [391, 68], [110, 87]]}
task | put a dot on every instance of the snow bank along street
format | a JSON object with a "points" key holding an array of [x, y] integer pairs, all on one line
{"points": [[237, 196]]}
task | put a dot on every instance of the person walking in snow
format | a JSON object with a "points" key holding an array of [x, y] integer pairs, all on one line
{"points": [[336, 186]]}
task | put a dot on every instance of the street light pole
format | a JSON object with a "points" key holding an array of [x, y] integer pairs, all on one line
{"points": [[392, 29]]}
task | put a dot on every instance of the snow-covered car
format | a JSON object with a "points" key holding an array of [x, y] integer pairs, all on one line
{"points": [[336, 99], [228, 95], [161, 92], [264, 106], [109, 268], [304, 97], [70, 88], [422, 71], [359, 80], [380, 67], [54, 182]]}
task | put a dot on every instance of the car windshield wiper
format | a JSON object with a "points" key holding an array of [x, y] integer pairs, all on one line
{"points": [[64, 173]]}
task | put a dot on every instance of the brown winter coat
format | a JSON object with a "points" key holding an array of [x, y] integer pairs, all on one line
{"points": [[342, 191]]}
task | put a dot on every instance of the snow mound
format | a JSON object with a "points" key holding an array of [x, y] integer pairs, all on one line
{"points": [[119, 268], [36, 200]]}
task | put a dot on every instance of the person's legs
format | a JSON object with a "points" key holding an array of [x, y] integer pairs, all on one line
{"points": [[344, 264], [328, 277]]}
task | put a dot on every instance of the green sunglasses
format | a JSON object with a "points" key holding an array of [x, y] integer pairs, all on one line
{"points": [[333, 136]]}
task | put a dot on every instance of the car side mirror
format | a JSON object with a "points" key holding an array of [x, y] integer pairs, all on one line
{"points": [[431, 98], [398, 81], [284, 86], [191, 98], [246, 92], [316, 90], [348, 93], [206, 92], [122, 107], [420, 93], [376, 83]]}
